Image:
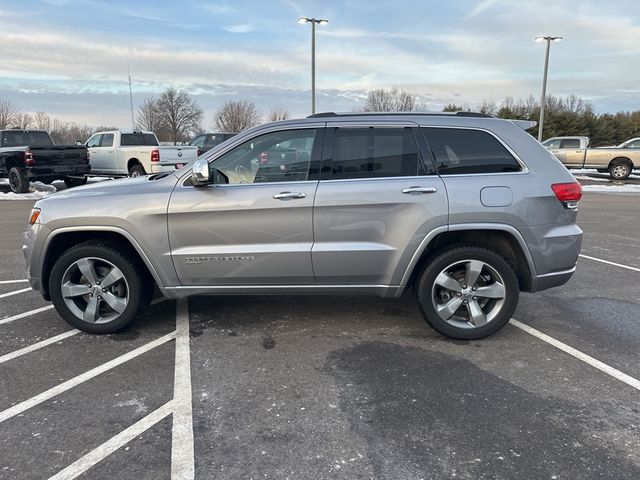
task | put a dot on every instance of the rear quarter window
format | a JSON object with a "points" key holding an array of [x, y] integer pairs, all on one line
{"points": [[468, 151]]}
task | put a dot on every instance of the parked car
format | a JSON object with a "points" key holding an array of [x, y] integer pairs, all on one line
{"points": [[631, 143], [31, 155], [573, 152], [465, 210], [207, 141], [120, 153]]}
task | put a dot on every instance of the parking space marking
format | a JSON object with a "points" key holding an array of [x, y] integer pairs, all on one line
{"points": [[83, 377], [25, 314], [96, 455], [617, 374], [182, 452], [6, 282], [39, 345], [16, 292], [611, 263]]}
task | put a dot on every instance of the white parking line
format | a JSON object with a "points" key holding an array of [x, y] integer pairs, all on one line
{"points": [[25, 314], [16, 292], [75, 381], [37, 346], [5, 282], [611, 263], [96, 455], [182, 456], [617, 374]]}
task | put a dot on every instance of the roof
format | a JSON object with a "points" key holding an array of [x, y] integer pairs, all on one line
{"points": [[413, 114]]}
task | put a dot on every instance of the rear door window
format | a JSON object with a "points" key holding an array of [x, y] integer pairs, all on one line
{"points": [[570, 143], [138, 139], [374, 152], [107, 140], [459, 151]]}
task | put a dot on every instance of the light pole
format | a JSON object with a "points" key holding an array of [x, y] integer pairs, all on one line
{"points": [[547, 39], [313, 22]]}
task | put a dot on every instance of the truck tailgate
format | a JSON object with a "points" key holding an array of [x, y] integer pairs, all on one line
{"points": [[177, 156]]}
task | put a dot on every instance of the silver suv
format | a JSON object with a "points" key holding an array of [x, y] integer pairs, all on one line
{"points": [[466, 209]]}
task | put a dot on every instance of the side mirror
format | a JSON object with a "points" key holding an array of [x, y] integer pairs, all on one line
{"points": [[79, 143], [200, 172], [204, 174]]}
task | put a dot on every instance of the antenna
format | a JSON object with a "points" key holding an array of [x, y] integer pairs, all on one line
{"points": [[133, 126]]}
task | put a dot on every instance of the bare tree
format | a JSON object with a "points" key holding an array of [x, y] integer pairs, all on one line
{"points": [[69, 132], [179, 114], [23, 120], [237, 116], [42, 121], [148, 115], [278, 113], [8, 112], [393, 100]]}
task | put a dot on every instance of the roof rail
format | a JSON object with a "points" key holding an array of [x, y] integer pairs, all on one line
{"points": [[435, 114]]}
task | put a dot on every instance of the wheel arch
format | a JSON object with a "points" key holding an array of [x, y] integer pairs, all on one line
{"points": [[504, 240], [134, 161], [62, 239], [622, 159]]}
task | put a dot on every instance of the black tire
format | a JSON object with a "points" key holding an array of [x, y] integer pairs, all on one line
{"points": [[18, 180], [136, 283], [453, 261], [620, 169], [71, 182], [137, 170]]}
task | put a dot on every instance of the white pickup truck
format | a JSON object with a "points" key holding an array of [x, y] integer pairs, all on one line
{"points": [[118, 153], [573, 152]]}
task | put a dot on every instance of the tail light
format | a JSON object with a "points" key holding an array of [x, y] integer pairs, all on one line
{"points": [[568, 193], [29, 159], [155, 155], [88, 157]]}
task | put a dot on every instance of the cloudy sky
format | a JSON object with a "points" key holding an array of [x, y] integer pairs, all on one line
{"points": [[70, 57]]}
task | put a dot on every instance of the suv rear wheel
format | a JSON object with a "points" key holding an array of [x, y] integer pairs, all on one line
{"points": [[97, 288], [18, 180], [467, 292]]}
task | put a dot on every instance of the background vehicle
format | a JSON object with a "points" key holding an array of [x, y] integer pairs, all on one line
{"points": [[466, 209], [573, 152], [120, 153], [30, 155], [207, 141], [631, 143]]}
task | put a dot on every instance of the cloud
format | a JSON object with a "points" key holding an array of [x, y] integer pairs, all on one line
{"points": [[481, 7], [240, 28]]}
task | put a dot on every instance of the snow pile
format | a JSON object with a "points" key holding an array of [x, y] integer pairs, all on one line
{"points": [[37, 190], [592, 179], [612, 188]]}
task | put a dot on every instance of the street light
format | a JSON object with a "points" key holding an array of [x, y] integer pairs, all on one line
{"points": [[547, 39], [313, 22]]}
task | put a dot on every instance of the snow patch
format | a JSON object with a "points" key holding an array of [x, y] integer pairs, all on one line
{"points": [[612, 188], [37, 190], [592, 179]]}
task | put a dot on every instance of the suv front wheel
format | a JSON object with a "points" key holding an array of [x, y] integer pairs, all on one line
{"points": [[467, 292], [97, 288]]}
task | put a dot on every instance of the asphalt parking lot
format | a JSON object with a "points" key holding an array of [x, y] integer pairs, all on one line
{"points": [[331, 387]]}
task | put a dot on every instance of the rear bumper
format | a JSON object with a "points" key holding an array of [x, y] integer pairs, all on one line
{"points": [[60, 171], [550, 280], [159, 167]]}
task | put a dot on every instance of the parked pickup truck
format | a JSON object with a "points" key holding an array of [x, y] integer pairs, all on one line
{"points": [[30, 155], [118, 153], [573, 152]]}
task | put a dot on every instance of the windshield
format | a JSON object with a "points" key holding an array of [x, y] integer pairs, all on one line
{"points": [[22, 138]]}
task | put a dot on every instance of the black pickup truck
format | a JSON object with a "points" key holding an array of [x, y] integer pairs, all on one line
{"points": [[30, 155]]}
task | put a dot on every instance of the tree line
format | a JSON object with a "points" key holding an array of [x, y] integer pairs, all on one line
{"points": [[176, 117]]}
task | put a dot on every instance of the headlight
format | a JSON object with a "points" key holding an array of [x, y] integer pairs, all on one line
{"points": [[35, 214]]}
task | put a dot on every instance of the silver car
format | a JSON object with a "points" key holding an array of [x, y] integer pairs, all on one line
{"points": [[466, 209]]}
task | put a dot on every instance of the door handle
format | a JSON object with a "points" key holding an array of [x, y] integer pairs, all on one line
{"points": [[419, 190], [289, 195]]}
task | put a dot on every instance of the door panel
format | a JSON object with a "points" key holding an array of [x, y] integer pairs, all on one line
{"points": [[241, 234], [376, 201], [256, 230]]}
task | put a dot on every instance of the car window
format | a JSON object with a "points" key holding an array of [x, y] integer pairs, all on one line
{"points": [[570, 143], [375, 152], [213, 140], [138, 139], [198, 141], [21, 138], [94, 141], [468, 151], [552, 143], [282, 156], [107, 140], [634, 144]]}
